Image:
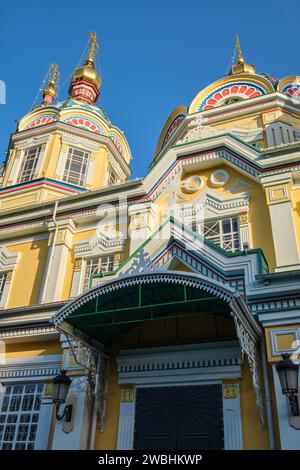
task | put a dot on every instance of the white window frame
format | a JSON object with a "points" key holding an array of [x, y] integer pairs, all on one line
{"points": [[95, 265], [113, 177], [28, 174], [20, 414], [70, 176], [3, 281], [230, 241]]}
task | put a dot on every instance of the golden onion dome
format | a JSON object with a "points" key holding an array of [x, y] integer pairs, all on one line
{"points": [[50, 89], [88, 73], [49, 93]]}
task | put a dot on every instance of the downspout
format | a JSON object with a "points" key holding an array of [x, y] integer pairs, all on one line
{"points": [[268, 396], [50, 256]]}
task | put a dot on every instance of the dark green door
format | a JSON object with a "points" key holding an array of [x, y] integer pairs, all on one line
{"points": [[179, 418]]}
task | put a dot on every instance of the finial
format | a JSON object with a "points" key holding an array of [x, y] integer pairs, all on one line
{"points": [[240, 66], [86, 81], [49, 93], [94, 46], [239, 51]]}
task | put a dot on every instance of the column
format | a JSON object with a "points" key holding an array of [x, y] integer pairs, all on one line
{"points": [[142, 224], [126, 419], [233, 436], [55, 271], [283, 229], [44, 424]]}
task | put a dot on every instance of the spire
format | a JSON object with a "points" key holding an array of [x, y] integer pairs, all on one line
{"points": [[240, 66], [86, 82], [49, 93]]}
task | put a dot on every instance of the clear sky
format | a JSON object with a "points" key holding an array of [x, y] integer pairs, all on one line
{"points": [[154, 55]]}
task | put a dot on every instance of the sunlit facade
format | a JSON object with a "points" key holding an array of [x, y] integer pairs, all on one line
{"points": [[169, 299]]}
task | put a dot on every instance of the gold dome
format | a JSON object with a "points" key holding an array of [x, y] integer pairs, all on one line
{"points": [[49, 93], [87, 73]]}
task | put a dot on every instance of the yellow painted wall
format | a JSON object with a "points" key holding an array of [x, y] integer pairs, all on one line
{"points": [[107, 440], [28, 276], [295, 197], [32, 348], [254, 437]]}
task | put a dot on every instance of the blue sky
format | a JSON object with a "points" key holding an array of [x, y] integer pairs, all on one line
{"points": [[154, 55]]}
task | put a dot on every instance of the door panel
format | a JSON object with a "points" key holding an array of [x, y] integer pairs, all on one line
{"points": [[179, 418]]}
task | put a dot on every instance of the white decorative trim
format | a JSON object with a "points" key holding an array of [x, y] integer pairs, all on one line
{"points": [[80, 142], [33, 368], [181, 364], [192, 184], [273, 337], [8, 264], [219, 178], [8, 260], [98, 244], [33, 141], [21, 332]]}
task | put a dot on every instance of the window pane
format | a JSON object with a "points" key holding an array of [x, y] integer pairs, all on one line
{"points": [[20, 429], [76, 166], [29, 163]]}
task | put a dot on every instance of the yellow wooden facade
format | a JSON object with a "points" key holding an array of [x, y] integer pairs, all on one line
{"points": [[232, 155]]}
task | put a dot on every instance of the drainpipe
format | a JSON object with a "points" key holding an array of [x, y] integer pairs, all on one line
{"points": [[50, 256], [268, 396]]}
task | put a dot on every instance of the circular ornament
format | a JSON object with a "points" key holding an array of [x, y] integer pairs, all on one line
{"points": [[192, 184], [219, 178]]}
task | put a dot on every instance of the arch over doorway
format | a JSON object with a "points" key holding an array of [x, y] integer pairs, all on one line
{"points": [[96, 318]]}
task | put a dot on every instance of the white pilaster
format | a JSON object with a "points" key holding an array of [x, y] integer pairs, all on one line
{"points": [[233, 438], [57, 262], [126, 419], [277, 189], [284, 236], [142, 221], [43, 430]]}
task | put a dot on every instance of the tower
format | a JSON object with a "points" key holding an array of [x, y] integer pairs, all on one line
{"points": [[66, 147]]}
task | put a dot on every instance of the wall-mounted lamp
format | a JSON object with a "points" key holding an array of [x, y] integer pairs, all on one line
{"points": [[288, 373], [61, 385]]}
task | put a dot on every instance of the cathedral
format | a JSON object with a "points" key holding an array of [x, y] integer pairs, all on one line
{"points": [[160, 313]]}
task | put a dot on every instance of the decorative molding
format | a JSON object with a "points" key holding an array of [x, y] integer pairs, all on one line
{"points": [[33, 141], [36, 367], [188, 363], [219, 178], [81, 142], [230, 391], [192, 184], [274, 334], [8, 260], [31, 331], [98, 244]]}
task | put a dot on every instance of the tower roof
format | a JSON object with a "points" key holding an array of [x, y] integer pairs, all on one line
{"points": [[86, 81]]}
